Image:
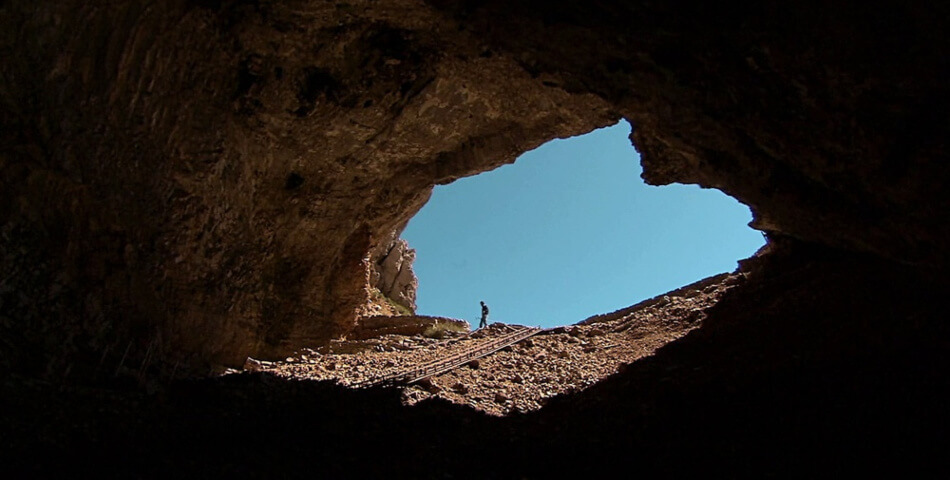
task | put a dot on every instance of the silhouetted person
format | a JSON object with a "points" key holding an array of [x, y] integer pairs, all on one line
{"points": [[484, 322]]}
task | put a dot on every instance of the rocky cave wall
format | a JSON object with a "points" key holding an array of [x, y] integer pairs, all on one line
{"points": [[392, 276], [190, 183]]}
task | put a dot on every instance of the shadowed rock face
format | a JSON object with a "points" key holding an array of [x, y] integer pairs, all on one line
{"points": [[194, 182], [830, 121]]}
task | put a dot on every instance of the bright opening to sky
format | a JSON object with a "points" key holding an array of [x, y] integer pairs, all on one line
{"points": [[569, 231]]}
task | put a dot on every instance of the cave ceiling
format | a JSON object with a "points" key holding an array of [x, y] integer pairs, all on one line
{"points": [[203, 181]]}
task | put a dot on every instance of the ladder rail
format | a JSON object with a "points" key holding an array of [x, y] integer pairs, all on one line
{"points": [[441, 365]]}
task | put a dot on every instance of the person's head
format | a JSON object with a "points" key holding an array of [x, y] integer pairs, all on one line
{"points": [[483, 303]]}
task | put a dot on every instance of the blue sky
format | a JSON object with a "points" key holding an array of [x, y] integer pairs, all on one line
{"points": [[569, 231]]}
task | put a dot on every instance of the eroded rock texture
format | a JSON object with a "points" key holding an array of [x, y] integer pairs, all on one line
{"points": [[195, 182], [206, 180], [391, 273], [829, 120]]}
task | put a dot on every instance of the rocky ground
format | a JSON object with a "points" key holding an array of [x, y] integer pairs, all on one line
{"points": [[521, 377], [814, 363]]}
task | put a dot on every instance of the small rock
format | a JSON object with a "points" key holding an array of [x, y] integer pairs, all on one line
{"points": [[474, 364], [252, 365], [331, 366], [460, 388], [595, 332], [427, 385], [501, 398]]}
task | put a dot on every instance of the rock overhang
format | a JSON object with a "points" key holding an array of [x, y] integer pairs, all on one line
{"points": [[149, 150]]}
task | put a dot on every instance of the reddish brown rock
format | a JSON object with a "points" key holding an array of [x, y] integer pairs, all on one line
{"points": [[184, 184], [191, 183], [221, 174], [428, 385]]}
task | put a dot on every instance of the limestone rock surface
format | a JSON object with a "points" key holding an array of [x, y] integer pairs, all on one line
{"points": [[199, 182], [392, 275], [187, 184]]}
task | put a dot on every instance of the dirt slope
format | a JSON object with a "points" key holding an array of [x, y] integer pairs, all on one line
{"points": [[521, 377]]}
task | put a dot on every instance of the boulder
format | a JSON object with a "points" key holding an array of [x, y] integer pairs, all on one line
{"points": [[252, 365]]}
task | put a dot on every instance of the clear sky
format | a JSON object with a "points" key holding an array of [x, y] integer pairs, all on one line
{"points": [[569, 231]]}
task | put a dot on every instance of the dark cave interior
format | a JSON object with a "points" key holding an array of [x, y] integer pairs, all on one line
{"points": [[186, 184]]}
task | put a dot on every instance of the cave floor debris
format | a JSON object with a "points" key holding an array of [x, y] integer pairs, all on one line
{"points": [[518, 378]]}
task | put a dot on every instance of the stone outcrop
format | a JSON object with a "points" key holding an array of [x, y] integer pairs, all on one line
{"points": [[192, 183], [379, 325], [391, 273], [203, 181]]}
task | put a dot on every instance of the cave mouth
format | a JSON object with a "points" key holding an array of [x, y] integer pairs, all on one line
{"points": [[569, 231], [561, 237]]}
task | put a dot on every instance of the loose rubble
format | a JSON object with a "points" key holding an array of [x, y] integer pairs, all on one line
{"points": [[518, 378]]}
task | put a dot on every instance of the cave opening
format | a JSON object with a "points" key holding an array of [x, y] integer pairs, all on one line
{"points": [[569, 231]]}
